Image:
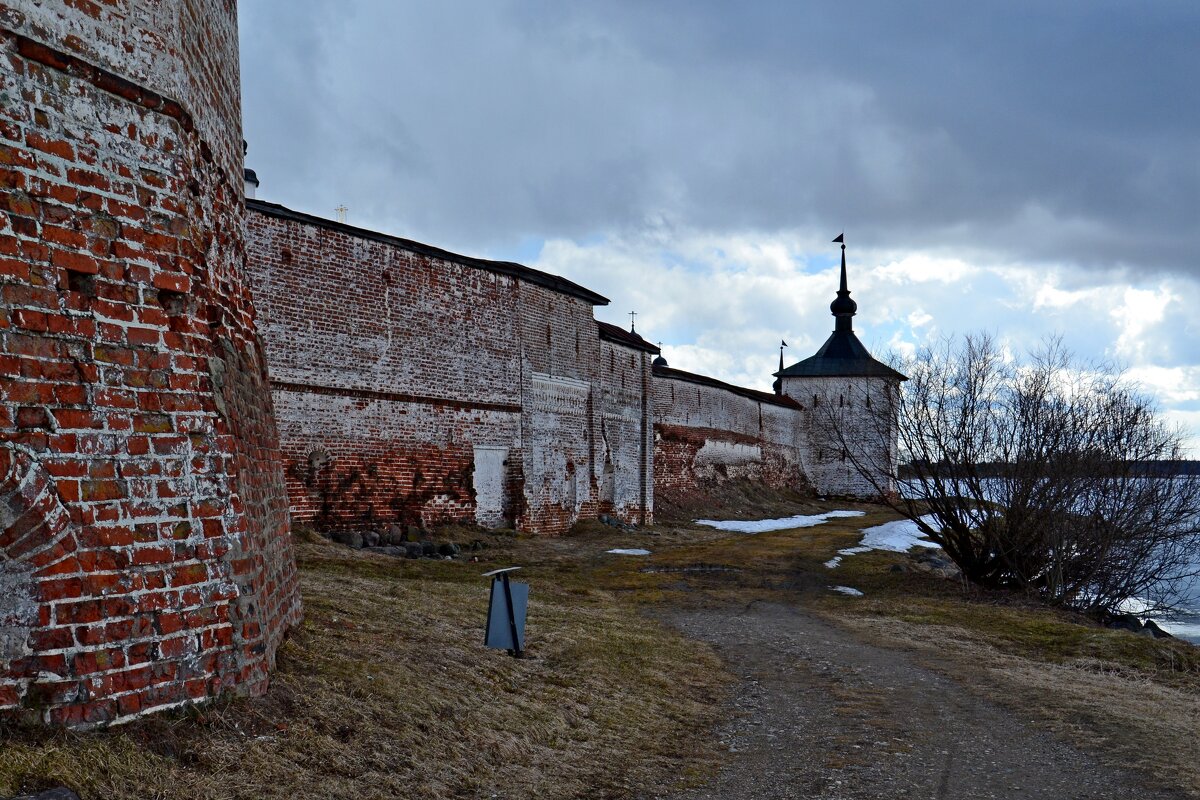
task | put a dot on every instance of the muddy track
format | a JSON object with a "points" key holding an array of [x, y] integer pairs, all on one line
{"points": [[820, 714]]}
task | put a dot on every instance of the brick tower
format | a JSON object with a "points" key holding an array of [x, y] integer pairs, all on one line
{"points": [[145, 560]]}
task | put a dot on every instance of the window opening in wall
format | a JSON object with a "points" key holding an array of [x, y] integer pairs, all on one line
{"points": [[820, 455], [843, 454], [672, 394], [841, 400], [632, 363], [868, 401], [547, 334], [612, 361], [82, 282], [576, 342], [174, 303], [816, 401]]}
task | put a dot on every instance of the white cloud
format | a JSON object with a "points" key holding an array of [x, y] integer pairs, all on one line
{"points": [[720, 304], [920, 268], [1139, 311]]}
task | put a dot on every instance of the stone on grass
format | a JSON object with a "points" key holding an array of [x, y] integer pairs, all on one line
{"points": [[412, 549], [349, 538], [370, 539], [1126, 622], [1151, 629], [447, 549], [428, 548], [61, 793]]}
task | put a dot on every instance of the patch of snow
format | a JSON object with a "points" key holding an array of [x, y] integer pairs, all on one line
{"points": [[631, 551], [833, 562], [898, 536], [786, 523], [847, 590]]}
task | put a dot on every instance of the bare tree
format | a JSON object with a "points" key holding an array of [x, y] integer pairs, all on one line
{"points": [[1041, 476]]}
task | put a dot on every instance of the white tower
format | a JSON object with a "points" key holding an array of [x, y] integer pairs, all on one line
{"points": [[850, 402]]}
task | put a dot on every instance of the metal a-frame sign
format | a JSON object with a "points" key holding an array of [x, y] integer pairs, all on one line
{"points": [[506, 613]]}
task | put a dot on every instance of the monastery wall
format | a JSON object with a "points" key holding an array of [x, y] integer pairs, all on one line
{"points": [[424, 387], [391, 368], [560, 356], [625, 445], [145, 560], [707, 432]]}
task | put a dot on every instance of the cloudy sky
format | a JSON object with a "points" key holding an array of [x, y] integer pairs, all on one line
{"points": [[1025, 168]]}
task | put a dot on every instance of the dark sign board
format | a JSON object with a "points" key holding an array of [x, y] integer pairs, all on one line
{"points": [[506, 613]]}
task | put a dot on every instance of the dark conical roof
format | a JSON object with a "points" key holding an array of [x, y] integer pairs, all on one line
{"points": [[842, 355]]}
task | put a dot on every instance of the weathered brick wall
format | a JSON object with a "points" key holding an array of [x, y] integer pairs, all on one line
{"points": [[391, 367], [705, 433], [560, 351], [625, 444], [419, 386], [851, 439], [145, 559]]}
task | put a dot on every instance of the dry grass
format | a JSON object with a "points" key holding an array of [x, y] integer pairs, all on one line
{"points": [[386, 691]]}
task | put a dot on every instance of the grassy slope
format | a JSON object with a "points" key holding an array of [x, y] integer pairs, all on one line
{"points": [[386, 691]]}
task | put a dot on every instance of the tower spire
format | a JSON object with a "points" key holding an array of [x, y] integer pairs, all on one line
{"points": [[843, 308], [778, 384]]}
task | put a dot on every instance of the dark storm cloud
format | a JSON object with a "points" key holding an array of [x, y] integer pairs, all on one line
{"points": [[1034, 132]]}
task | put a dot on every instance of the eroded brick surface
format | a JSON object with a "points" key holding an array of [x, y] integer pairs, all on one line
{"points": [[423, 388], [705, 434], [851, 446], [145, 553]]}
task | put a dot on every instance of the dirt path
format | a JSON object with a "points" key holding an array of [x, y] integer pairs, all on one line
{"points": [[820, 714]]}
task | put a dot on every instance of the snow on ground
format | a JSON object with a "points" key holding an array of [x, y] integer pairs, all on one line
{"points": [[847, 590], [898, 536], [764, 525], [630, 551]]}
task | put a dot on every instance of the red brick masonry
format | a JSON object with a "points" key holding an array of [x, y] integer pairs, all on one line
{"points": [[145, 560]]}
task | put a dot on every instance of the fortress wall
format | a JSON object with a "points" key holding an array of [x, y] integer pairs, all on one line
{"points": [[145, 560], [625, 442], [705, 434], [422, 387], [559, 398], [392, 372]]}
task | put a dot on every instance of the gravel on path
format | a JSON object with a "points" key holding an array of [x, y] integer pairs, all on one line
{"points": [[821, 715]]}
